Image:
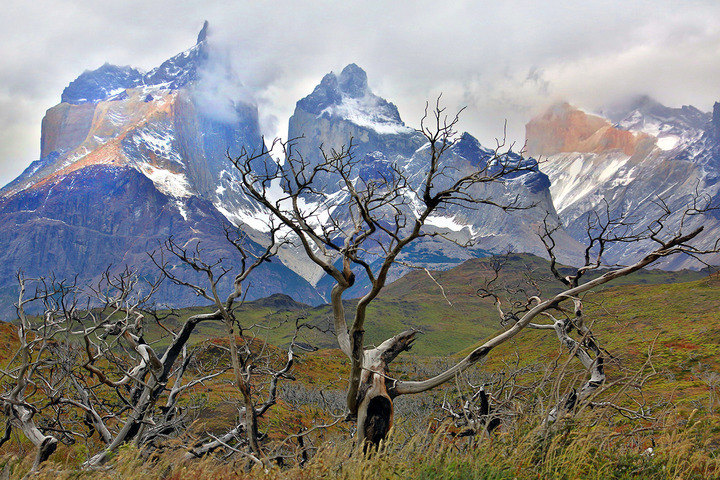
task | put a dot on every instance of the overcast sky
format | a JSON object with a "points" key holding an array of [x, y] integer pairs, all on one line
{"points": [[503, 60]]}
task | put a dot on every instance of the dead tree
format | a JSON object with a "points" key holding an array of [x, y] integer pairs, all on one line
{"points": [[369, 228], [88, 366], [244, 364], [476, 414], [258, 364], [376, 220], [27, 369], [56, 380], [146, 382], [565, 310]]}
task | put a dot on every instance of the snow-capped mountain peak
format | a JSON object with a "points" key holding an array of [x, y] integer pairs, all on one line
{"points": [[347, 96], [673, 128], [625, 160], [156, 123], [104, 82], [108, 81]]}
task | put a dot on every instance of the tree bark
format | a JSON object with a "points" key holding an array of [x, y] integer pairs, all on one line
{"points": [[375, 408], [21, 417]]}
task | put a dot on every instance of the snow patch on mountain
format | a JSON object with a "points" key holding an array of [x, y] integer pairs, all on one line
{"points": [[576, 175], [450, 223], [79, 154], [668, 143], [255, 219], [367, 112], [158, 141], [182, 209], [116, 118], [170, 183]]}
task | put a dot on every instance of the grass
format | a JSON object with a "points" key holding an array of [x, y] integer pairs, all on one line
{"points": [[674, 316], [591, 448], [451, 319]]}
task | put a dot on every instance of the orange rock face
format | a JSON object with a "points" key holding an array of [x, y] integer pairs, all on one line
{"points": [[92, 133], [563, 128], [65, 126]]}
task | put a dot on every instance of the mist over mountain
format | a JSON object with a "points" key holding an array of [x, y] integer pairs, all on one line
{"points": [[130, 158]]}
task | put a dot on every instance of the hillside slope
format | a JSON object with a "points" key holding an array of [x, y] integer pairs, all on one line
{"points": [[453, 318]]}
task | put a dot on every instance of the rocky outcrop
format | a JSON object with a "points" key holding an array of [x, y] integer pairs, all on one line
{"points": [[342, 108], [65, 127], [625, 162], [716, 120], [563, 128], [202, 36]]}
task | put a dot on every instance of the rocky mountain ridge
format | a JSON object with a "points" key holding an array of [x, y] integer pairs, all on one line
{"points": [[626, 161], [130, 158]]}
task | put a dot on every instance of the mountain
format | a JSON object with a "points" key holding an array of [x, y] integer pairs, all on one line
{"points": [[127, 160], [343, 108], [630, 156], [160, 123]]}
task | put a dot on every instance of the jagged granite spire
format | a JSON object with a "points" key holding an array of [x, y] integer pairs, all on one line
{"points": [[348, 96], [353, 81], [716, 119], [202, 36]]}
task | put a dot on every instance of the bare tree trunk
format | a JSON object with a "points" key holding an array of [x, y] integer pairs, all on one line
{"points": [[594, 366], [218, 442], [375, 410], [21, 417], [251, 427]]}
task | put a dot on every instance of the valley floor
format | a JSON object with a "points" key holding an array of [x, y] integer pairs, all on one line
{"points": [[657, 417]]}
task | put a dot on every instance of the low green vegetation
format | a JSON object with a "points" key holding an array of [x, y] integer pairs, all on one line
{"points": [[661, 331]]}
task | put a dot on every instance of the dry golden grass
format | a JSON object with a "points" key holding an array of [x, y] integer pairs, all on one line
{"points": [[593, 446]]}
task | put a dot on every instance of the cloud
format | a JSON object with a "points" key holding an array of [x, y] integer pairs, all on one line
{"points": [[19, 135], [219, 88], [501, 60]]}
